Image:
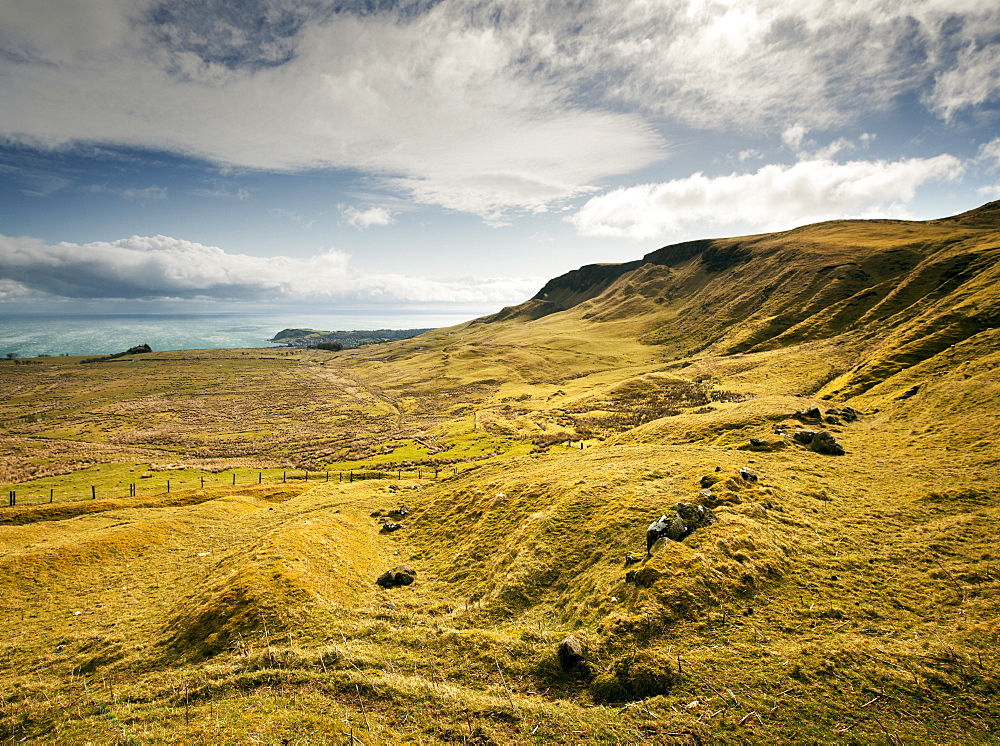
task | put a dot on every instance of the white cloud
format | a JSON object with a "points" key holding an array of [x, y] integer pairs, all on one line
{"points": [[160, 267], [774, 197], [480, 106], [142, 195], [424, 101], [362, 219], [793, 136], [989, 153], [971, 82]]}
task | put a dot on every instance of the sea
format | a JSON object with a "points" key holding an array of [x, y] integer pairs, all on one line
{"points": [[33, 335]]}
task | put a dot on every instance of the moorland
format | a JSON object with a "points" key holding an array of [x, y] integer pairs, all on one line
{"points": [[848, 590]]}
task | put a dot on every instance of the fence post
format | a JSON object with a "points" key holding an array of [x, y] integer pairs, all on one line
{"points": [[51, 493], [328, 476], [234, 479], [399, 475], [350, 474], [284, 477], [260, 477], [168, 485], [306, 477], [13, 497], [203, 482], [93, 492]]}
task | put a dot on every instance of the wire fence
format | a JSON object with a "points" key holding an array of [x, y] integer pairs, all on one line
{"points": [[24, 495]]}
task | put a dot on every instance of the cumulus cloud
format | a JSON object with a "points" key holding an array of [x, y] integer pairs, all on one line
{"points": [[160, 267], [362, 219], [423, 99], [774, 197], [481, 106]]}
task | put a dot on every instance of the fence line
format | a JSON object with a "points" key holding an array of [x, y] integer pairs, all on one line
{"points": [[348, 476]]}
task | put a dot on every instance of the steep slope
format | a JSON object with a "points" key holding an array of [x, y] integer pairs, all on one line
{"points": [[894, 292]]}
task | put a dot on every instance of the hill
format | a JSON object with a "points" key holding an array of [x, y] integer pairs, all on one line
{"points": [[842, 594]]}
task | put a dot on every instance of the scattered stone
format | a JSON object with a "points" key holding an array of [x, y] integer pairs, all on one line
{"points": [[631, 559], [390, 605], [708, 480], [809, 413], [376, 514], [850, 414], [805, 437], [389, 526], [748, 474], [678, 524], [758, 443], [399, 575], [832, 420], [824, 442], [571, 653], [401, 512]]}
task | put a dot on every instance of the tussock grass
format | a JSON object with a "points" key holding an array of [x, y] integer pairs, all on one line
{"points": [[846, 599]]}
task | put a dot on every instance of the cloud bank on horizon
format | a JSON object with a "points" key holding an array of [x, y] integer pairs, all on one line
{"points": [[618, 122]]}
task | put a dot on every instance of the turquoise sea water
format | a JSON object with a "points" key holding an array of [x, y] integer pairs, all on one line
{"points": [[28, 336]]}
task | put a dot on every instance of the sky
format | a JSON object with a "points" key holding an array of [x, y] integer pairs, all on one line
{"points": [[264, 155]]}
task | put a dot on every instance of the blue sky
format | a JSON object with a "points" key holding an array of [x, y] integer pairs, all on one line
{"points": [[456, 154]]}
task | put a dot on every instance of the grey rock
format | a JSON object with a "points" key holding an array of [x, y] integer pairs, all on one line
{"points": [[748, 474], [805, 437], [389, 526], [824, 442], [401, 512], [810, 413], [678, 524], [571, 653]]}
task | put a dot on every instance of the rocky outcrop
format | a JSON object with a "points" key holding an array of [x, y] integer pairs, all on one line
{"points": [[679, 523]]}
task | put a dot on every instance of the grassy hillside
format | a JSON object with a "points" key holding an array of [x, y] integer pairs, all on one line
{"points": [[838, 598]]}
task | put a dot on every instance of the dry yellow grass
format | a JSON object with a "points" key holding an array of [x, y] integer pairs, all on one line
{"points": [[847, 599]]}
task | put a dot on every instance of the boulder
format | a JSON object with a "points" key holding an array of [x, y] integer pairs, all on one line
{"points": [[708, 480], [748, 474], [401, 512], [571, 653], [824, 442], [389, 526], [809, 413], [805, 437], [399, 575]]}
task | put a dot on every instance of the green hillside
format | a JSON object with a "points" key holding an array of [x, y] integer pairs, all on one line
{"points": [[846, 592]]}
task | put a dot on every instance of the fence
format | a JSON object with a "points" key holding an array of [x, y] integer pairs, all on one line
{"points": [[35, 497]]}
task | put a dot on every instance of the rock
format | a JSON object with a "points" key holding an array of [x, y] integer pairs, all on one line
{"points": [[824, 442], [758, 443], [833, 420], [809, 413], [748, 474], [399, 575], [401, 512], [805, 437], [850, 414], [571, 653], [677, 525], [708, 480], [389, 526]]}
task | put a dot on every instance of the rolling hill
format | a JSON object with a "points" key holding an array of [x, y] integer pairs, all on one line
{"points": [[842, 594]]}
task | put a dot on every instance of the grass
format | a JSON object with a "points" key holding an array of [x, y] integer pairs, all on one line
{"points": [[846, 599]]}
